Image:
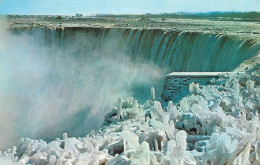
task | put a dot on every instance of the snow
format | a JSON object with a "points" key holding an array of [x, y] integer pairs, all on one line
{"points": [[216, 124]]}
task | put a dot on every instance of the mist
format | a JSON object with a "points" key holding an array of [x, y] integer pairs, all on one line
{"points": [[46, 90]]}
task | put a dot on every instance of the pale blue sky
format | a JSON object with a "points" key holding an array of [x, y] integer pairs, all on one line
{"points": [[69, 7]]}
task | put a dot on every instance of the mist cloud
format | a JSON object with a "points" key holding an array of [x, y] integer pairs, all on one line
{"points": [[46, 91]]}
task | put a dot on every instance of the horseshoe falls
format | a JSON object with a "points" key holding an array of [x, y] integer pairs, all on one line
{"points": [[178, 51], [92, 94]]}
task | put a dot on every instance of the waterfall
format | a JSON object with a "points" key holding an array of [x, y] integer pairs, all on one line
{"points": [[174, 50], [68, 78], [186, 51]]}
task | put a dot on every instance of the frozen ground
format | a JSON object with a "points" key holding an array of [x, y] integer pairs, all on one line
{"points": [[214, 124], [242, 29]]}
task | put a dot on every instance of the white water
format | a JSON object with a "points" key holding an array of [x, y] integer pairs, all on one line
{"points": [[65, 80]]}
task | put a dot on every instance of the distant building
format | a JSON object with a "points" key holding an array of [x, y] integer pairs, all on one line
{"points": [[58, 17], [78, 15]]}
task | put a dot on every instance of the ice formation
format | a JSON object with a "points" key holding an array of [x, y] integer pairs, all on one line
{"points": [[214, 124]]}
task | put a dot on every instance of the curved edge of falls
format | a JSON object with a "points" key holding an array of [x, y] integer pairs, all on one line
{"points": [[175, 50]]}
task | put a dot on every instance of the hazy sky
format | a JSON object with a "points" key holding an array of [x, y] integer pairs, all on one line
{"points": [[123, 6]]}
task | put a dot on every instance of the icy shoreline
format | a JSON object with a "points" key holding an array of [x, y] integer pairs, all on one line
{"points": [[214, 124]]}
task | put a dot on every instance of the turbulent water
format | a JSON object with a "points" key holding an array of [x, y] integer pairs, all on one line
{"points": [[65, 79]]}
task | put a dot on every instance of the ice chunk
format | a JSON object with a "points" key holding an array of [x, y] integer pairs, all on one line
{"points": [[194, 88], [215, 105], [152, 94], [131, 139], [181, 137], [119, 109], [172, 110], [184, 105], [170, 145], [52, 160], [119, 160], [142, 154], [236, 90], [65, 136], [165, 118], [250, 86], [176, 149]]}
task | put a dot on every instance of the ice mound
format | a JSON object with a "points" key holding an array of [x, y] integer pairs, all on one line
{"points": [[217, 124]]}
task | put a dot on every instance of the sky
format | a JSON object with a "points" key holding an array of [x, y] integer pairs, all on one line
{"points": [[88, 7]]}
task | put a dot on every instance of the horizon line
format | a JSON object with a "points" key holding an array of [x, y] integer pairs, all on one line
{"points": [[179, 12]]}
